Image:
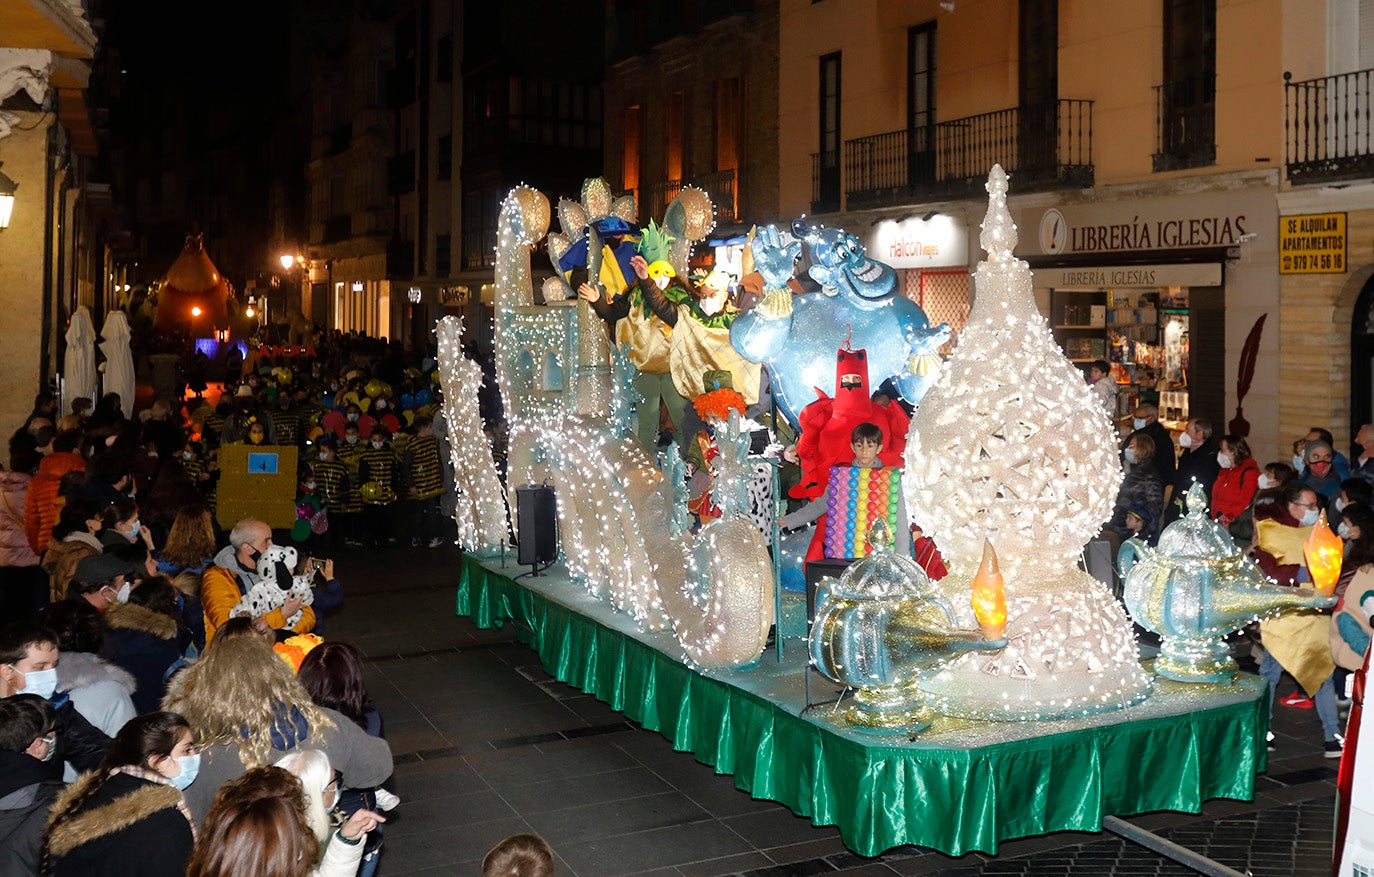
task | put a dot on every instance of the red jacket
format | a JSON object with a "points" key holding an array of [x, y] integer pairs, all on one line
{"points": [[1234, 489], [40, 506]]}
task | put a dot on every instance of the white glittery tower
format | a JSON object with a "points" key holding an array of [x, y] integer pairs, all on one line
{"points": [[1009, 446]]}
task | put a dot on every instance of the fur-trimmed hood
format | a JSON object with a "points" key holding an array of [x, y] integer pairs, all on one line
{"points": [[96, 822], [127, 616], [79, 669]]}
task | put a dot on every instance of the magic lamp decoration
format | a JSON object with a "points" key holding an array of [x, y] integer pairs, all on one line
{"points": [[882, 626], [1196, 588], [1008, 448]]}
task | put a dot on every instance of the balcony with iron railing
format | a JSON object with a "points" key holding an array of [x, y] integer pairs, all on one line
{"points": [[720, 185], [1328, 132], [1046, 147], [1186, 123]]}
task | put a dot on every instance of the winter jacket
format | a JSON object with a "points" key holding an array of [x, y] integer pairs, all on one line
{"points": [[79, 743], [1194, 464], [101, 691], [1142, 490], [341, 857], [146, 644], [130, 827], [224, 583], [363, 761], [27, 789], [41, 503], [61, 558], [1234, 490], [14, 540]]}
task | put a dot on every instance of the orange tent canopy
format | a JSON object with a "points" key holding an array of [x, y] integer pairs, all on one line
{"points": [[193, 282]]}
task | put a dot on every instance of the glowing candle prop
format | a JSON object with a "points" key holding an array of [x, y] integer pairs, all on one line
{"points": [[989, 595], [1323, 551]]}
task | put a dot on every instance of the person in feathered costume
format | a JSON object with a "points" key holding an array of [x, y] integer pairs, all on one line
{"points": [[827, 424]]}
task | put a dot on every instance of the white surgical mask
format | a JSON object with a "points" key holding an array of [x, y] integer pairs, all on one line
{"points": [[40, 682], [187, 455], [1138, 423], [309, 485], [1343, 530], [188, 767], [378, 444], [1130, 455], [1341, 504], [353, 415], [352, 439], [1185, 441], [1225, 461], [1267, 483], [1309, 518], [381, 404], [51, 748], [122, 595]]}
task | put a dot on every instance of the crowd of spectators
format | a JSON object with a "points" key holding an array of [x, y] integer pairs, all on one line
{"points": [[147, 723]]}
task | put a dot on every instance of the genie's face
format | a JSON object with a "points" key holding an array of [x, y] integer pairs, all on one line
{"points": [[839, 265]]}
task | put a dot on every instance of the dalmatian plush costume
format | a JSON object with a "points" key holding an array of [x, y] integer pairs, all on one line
{"points": [[276, 585]]}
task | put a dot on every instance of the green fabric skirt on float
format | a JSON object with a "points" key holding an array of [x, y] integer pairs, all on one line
{"points": [[960, 786]]}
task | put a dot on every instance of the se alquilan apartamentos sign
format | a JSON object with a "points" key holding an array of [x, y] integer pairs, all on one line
{"points": [[1312, 243]]}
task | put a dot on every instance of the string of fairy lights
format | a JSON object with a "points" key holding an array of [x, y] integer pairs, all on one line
{"points": [[481, 500]]}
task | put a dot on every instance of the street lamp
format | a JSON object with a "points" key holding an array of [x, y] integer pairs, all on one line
{"points": [[7, 190], [287, 261]]}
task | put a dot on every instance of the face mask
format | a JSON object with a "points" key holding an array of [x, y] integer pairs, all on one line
{"points": [[1343, 530], [1225, 461], [352, 439], [1309, 518], [1341, 504], [353, 416], [661, 281], [122, 595], [381, 404], [309, 485], [189, 767], [378, 445], [51, 748], [1298, 462], [324, 455], [40, 682], [133, 531], [1130, 455], [1267, 483], [1138, 423], [255, 439], [254, 555], [1185, 441], [187, 455], [1320, 468]]}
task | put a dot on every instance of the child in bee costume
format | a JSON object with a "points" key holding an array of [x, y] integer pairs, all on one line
{"points": [[378, 476]]}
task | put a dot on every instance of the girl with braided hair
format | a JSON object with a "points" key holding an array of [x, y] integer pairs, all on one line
{"points": [[129, 816]]}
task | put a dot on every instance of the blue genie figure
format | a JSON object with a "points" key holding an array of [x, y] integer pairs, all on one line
{"points": [[797, 336]]}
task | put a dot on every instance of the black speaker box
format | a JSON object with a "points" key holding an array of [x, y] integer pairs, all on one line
{"points": [[817, 570], [536, 513]]}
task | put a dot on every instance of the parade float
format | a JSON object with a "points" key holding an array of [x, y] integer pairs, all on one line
{"points": [[1008, 699], [193, 296]]}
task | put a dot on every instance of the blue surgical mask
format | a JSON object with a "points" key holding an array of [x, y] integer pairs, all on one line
{"points": [[40, 682], [1298, 462], [1309, 518], [188, 767], [1138, 423], [1130, 455], [133, 531], [1343, 530]]}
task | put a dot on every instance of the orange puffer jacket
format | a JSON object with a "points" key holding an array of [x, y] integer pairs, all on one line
{"points": [[41, 506]]}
